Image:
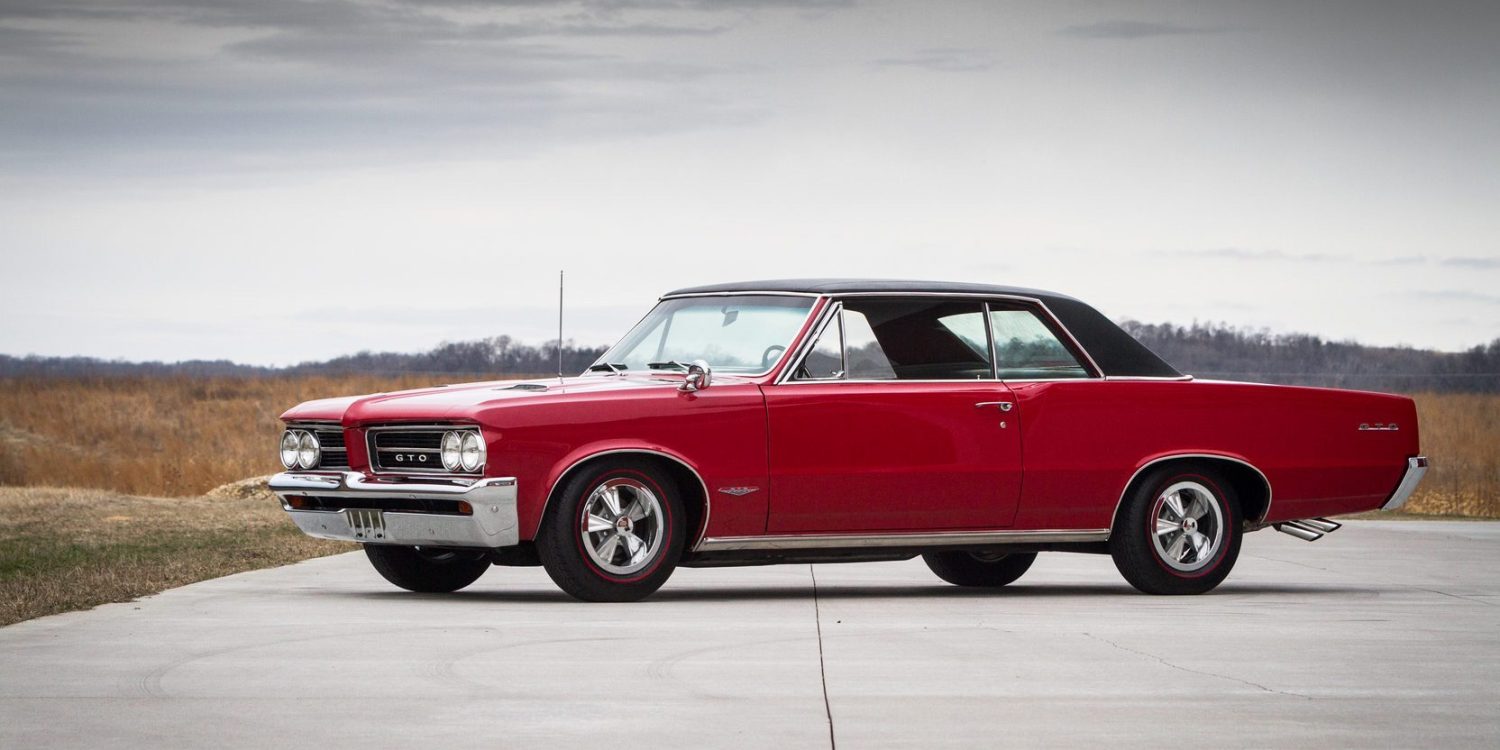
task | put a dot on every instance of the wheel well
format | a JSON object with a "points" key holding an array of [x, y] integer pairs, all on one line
{"points": [[694, 499], [1250, 486]]}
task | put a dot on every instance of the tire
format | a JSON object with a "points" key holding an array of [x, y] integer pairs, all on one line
{"points": [[1158, 549], [978, 568], [427, 571], [585, 542]]}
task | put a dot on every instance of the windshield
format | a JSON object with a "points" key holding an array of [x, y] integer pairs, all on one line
{"points": [[741, 334]]}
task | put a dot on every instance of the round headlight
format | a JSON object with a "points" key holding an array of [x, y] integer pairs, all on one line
{"points": [[472, 456], [308, 451], [289, 443], [452, 447]]}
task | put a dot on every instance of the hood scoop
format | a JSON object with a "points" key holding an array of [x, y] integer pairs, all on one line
{"points": [[524, 387]]}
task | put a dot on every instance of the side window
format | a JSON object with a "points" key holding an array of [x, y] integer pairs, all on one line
{"points": [[1027, 349], [907, 339], [826, 359]]}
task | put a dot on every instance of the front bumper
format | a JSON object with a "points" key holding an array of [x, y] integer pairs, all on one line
{"points": [[1416, 468], [492, 523]]}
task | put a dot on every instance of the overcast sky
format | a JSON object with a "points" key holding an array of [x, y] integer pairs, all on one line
{"points": [[272, 181]]}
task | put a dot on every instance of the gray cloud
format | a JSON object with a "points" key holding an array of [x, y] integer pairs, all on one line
{"points": [[1457, 295], [1482, 264], [942, 60], [1134, 30], [1242, 254]]}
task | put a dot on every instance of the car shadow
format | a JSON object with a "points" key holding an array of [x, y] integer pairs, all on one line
{"points": [[853, 592]]}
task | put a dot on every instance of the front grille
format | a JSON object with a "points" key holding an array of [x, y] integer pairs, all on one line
{"points": [[391, 504], [408, 450]]}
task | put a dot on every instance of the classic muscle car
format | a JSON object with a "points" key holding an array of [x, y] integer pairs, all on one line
{"points": [[841, 421]]}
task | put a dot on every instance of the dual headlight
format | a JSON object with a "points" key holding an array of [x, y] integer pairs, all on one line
{"points": [[463, 450], [300, 449]]}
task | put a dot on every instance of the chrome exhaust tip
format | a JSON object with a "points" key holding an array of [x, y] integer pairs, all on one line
{"points": [[1308, 529]]}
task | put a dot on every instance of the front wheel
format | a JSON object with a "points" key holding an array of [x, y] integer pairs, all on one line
{"points": [[615, 534], [981, 569], [1178, 533], [427, 571]]}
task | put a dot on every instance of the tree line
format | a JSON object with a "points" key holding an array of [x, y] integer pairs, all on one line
{"points": [[1204, 350]]}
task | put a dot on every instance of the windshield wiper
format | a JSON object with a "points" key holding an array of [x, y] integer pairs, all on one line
{"points": [[613, 368], [669, 364]]}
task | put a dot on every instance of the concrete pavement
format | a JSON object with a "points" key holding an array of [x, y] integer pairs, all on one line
{"points": [[1384, 634]]}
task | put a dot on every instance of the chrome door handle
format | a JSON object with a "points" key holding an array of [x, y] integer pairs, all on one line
{"points": [[1004, 405]]}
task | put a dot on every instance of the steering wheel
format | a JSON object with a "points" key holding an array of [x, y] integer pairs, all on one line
{"points": [[769, 356]]}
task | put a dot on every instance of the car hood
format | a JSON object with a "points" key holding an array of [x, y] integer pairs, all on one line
{"points": [[458, 402]]}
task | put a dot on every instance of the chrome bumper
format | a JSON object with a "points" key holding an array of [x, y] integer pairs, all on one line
{"points": [[492, 524], [1416, 467]]}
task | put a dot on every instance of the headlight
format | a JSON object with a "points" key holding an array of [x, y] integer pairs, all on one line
{"points": [[472, 456], [452, 448], [290, 440], [308, 451]]}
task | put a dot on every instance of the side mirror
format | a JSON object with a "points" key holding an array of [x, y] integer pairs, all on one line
{"points": [[698, 377]]}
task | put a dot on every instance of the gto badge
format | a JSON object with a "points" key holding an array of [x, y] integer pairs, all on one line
{"points": [[738, 491]]}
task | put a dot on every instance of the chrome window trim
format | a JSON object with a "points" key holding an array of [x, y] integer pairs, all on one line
{"points": [[800, 326], [708, 501], [1270, 491], [833, 312], [905, 539], [1092, 369], [456, 426], [739, 294]]}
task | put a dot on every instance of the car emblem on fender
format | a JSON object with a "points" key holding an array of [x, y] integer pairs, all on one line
{"points": [[738, 491]]}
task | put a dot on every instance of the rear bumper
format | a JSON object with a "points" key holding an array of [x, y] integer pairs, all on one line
{"points": [[492, 523], [1416, 468]]}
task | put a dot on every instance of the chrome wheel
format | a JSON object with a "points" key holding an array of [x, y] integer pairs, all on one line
{"points": [[621, 526], [1189, 526]]}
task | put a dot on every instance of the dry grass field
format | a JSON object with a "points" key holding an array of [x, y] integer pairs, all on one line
{"points": [[156, 436], [62, 550]]}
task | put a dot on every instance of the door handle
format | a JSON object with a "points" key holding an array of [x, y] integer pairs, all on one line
{"points": [[1004, 405]]}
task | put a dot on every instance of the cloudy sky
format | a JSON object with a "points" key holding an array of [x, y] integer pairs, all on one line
{"points": [[278, 180]]}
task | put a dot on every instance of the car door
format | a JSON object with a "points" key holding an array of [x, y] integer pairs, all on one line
{"points": [[894, 421]]}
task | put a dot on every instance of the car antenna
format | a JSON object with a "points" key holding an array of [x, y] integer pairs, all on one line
{"points": [[559, 322]]}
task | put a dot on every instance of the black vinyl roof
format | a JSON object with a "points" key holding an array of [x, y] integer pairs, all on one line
{"points": [[1116, 352]]}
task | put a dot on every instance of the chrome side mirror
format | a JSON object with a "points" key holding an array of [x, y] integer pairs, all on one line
{"points": [[698, 377]]}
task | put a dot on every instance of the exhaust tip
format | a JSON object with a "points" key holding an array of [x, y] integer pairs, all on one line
{"points": [[1308, 529]]}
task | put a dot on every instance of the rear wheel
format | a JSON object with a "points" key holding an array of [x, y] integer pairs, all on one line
{"points": [[615, 534], [1178, 533], [982, 569], [428, 571]]}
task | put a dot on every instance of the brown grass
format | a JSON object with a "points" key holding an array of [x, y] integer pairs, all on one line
{"points": [[1461, 436], [155, 436], [62, 550]]}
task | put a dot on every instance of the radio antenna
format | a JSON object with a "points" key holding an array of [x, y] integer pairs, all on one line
{"points": [[559, 323]]}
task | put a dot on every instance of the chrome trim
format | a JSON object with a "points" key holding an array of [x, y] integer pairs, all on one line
{"points": [[915, 539], [1092, 369], [1270, 494], [1163, 378], [1378, 427], [738, 294], [831, 313], [494, 522], [708, 505], [1416, 468], [371, 450]]}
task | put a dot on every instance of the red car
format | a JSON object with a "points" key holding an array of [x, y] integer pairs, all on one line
{"points": [[843, 421]]}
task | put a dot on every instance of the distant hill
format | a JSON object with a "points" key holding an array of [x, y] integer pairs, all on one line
{"points": [[1204, 350]]}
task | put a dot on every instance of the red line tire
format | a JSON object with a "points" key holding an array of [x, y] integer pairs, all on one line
{"points": [[1178, 532], [614, 533]]}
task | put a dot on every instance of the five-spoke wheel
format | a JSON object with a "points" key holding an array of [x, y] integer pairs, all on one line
{"points": [[614, 532], [1178, 532]]}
